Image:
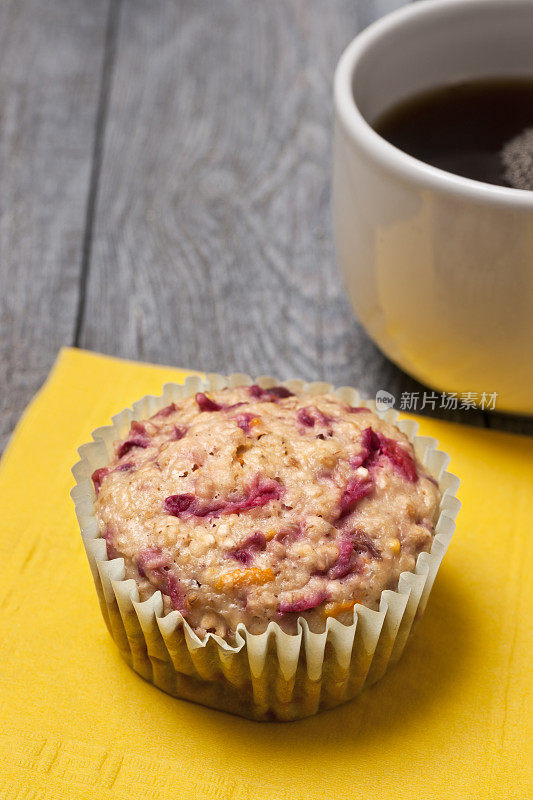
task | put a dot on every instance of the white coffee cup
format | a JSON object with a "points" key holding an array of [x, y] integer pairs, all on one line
{"points": [[439, 268]]}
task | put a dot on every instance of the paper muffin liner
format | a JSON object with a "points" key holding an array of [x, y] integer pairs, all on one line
{"points": [[273, 675]]}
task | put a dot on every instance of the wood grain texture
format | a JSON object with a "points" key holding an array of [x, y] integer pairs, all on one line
{"points": [[50, 65], [212, 238], [165, 170]]}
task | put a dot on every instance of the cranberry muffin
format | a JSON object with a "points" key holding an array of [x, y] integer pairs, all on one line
{"points": [[251, 505]]}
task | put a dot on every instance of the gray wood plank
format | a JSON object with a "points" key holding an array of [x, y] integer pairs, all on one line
{"points": [[213, 213], [510, 423], [213, 241], [51, 58], [212, 238]]}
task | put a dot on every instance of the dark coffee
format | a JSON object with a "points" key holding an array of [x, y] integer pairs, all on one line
{"points": [[479, 129]]}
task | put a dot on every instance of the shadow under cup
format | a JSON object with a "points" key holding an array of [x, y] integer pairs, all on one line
{"points": [[439, 267]]}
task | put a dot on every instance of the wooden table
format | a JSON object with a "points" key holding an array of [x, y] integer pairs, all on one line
{"points": [[165, 191]]}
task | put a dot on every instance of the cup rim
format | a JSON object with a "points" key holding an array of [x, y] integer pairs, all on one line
{"points": [[388, 155]]}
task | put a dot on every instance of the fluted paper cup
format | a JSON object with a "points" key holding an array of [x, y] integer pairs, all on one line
{"points": [[273, 675]]}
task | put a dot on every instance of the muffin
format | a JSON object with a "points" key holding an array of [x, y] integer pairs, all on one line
{"points": [[253, 525]]}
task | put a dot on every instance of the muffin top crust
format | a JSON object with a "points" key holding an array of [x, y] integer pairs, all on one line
{"points": [[251, 505]]}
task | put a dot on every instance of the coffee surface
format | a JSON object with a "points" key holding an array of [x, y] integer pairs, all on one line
{"points": [[480, 129]]}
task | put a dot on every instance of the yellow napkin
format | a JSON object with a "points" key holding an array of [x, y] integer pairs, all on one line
{"points": [[449, 721]]}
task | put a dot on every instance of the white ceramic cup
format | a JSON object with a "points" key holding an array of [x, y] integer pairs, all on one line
{"points": [[439, 268]]}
